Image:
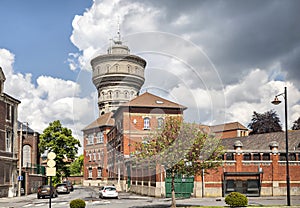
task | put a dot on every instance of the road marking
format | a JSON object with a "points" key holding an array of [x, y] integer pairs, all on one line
{"points": [[28, 205]]}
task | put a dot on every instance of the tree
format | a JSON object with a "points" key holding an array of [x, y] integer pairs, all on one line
{"points": [[182, 148], [296, 125], [59, 139], [265, 123], [76, 166]]}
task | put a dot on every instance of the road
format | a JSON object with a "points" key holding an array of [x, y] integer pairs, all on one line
{"points": [[129, 200]]}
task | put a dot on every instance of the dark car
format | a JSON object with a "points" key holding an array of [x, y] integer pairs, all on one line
{"points": [[44, 191], [62, 188], [69, 184]]}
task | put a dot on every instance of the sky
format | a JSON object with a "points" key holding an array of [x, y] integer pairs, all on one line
{"points": [[223, 60]]}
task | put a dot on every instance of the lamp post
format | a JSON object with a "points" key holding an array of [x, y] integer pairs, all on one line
{"points": [[276, 101], [20, 161], [20, 178]]}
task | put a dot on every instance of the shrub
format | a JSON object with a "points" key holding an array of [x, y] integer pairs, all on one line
{"points": [[77, 203], [235, 199]]}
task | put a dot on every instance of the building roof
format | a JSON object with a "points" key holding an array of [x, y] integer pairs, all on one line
{"points": [[262, 141], [227, 127], [25, 127], [104, 120], [152, 101]]}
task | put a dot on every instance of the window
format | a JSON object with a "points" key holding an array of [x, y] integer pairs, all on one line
{"points": [[90, 157], [266, 156], [90, 139], [95, 156], [247, 156], [90, 173], [8, 112], [256, 156], [99, 172], [229, 156], [26, 155], [107, 68], [146, 123], [126, 94], [282, 157], [160, 122], [8, 147], [100, 137]]}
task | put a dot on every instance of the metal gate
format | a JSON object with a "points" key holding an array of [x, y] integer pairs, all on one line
{"points": [[183, 186]]}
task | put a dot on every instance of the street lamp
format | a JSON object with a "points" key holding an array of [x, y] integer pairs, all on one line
{"points": [[276, 101], [20, 178]]}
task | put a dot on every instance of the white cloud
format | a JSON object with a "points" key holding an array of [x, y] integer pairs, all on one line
{"points": [[51, 99], [93, 30]]}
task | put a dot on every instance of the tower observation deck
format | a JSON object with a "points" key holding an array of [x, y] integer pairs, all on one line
{"points": [[117, 75]]}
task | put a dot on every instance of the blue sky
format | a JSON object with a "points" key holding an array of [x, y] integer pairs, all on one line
{"points": [[221, 59], [38, 32]]}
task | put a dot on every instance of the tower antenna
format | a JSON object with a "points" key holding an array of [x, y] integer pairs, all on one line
{"points": [[118, 32]]}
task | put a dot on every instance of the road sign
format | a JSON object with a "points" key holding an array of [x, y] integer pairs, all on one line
{"points": [[51, 155], [20, 178], [51, 163], [50, 171]]}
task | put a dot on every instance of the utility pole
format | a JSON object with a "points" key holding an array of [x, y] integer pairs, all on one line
{"points": [[20, 161]]}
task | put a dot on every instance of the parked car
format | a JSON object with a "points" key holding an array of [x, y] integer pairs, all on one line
{"points": [[44, 191], [69, 184], [108, 192], [62, 188]]}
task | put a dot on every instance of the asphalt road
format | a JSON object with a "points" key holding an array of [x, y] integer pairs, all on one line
{"points": [[129, 200]]}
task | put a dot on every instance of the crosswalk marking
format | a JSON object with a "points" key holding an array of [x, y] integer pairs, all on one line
{"points": [[65, 202]]}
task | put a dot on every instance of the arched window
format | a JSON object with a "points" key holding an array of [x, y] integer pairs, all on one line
{"points": [[107, 68], [129, 68], [126, 94], [146, 123], [26, 155]]}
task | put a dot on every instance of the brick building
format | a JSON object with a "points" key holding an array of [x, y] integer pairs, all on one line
{"points": [[33, 173], [253, 165], [8, 141]]}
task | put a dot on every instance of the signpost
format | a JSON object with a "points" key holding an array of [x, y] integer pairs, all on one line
{"points": [[51, 171]]}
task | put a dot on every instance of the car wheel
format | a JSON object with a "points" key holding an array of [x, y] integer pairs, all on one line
{"points": [[43, 197]]}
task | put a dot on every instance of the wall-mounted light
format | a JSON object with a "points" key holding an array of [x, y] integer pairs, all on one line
{"points": [[134, 121]]}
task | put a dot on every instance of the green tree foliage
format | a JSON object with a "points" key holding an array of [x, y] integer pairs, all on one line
{"points": [[182, 148], [296, 125], [58, 139], [265, 123], [76, 166]]}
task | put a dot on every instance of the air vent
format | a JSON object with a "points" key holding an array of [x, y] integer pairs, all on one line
{"points": [[159, 102]]}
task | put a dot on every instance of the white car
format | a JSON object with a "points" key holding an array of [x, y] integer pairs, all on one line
{"points": [[108, 192]]}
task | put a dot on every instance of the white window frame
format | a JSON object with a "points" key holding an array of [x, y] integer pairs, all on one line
{"points": [[99, 172], [90, 171], [8, 141], [90, 138], [146, 123], [100, 137]]}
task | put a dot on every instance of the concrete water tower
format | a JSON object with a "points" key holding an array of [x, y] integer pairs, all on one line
{"points": [[117, 75]]}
